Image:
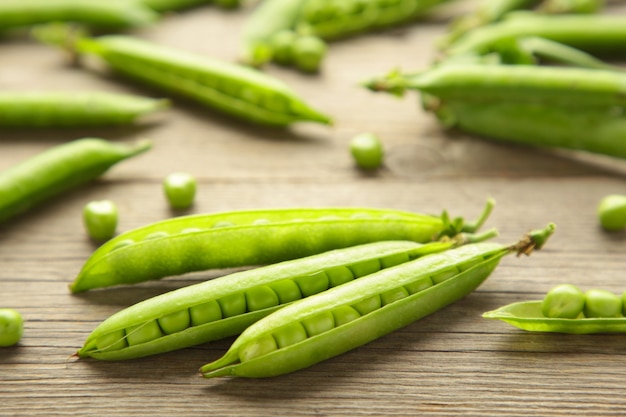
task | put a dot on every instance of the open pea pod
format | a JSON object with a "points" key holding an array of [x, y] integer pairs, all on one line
{"points": [[225, 306], [345, 317], [527, 315]]}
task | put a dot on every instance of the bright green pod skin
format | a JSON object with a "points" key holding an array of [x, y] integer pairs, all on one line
{"points": [[257, 237], [335, 19], [163, 6], [611, 212], [230, 88], [594, 33], [268, 19], [601, 131], [264, 289], [487, 11], [74, 109], [110, 14], [58, 169], [572, 87], [445, 278]]}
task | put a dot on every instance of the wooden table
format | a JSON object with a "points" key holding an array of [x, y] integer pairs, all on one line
{"points": [[451, 363]]}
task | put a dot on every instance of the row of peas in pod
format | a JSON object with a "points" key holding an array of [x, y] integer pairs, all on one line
{"points": [[567, 309]]}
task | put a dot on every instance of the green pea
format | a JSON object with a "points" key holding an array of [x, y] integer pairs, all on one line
{"points": [[233, 305], [612, 212], [344, 314], [112, 341], [368, 305], [367, 151], [258, 347], [282, 46], [100, 219], [308, 53], [205, 313], [290, 335], [143, 333], [339, 275], [394, 260], [287, 290], [444, 275], [312, 284], [602, 303], [175, 322], [563, 301], [180, 190], [365, 268], [11, 327], [319, 324], [261, 297], [393, 295], [419, 285]]}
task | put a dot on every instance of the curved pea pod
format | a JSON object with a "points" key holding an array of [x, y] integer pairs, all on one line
{"points": [[343, 318], [255, 237], [225, 306], [73, 109], [527, 315], [600, 34], [334, 19], [110, 14], [163, 6], [230, 88], [572, 87], [269, 18], [58, 169], [596, 130]]}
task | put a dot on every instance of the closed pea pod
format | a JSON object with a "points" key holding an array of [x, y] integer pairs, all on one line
{"points": [[254, 354], [227, 87], [73, 109], [58, 169], [110, 14], [224, 306], [195, 242]]}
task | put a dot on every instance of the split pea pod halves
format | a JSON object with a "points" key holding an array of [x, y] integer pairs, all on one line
{"points": [[109, 14], [255, 237], [73, 109], [227, 87], [58, 169], [343, 318], [225, 306]]}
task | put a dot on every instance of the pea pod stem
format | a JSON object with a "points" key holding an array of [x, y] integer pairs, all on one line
{"points": [[527, 315], [324, 332], [58, 169], [254, 237]]}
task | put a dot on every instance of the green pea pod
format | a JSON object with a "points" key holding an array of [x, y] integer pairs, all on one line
{"points": [[163, 6], [334, 19], [269, 18], [345, 317], [225, 306], [573, 87], [571, 6], [601, 131], [255, 237], [73, 109], [109, 14], [487, 11], [527, 315], [593, 33], [58, 169]]}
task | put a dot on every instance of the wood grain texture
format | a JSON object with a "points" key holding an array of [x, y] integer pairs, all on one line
{"points": [[453, 363]]}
